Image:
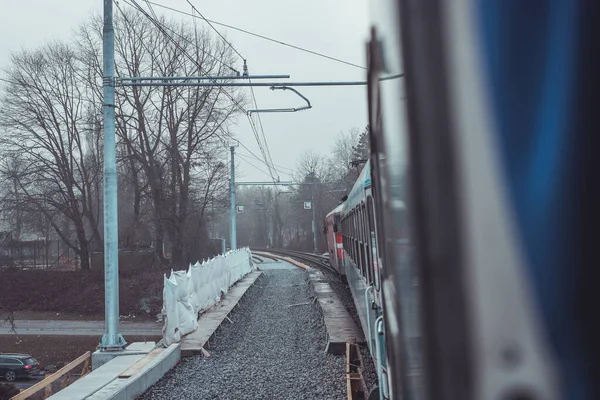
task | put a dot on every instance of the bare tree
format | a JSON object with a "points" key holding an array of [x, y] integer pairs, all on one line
{"points": [[169, 149], [45, 118], [170, 138], [342, 151]]}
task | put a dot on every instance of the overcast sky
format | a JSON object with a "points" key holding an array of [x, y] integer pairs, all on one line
{"points": [[337, 28]]}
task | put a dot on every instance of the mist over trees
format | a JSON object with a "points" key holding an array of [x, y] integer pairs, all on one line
{"points": [[275, 216], [171, 141], [172, 155]]}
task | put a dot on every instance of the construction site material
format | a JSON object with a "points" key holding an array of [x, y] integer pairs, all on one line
{"points": [[187, 293]]}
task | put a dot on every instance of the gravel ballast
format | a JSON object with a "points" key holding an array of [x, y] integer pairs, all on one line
{"points": [[274, 349]]}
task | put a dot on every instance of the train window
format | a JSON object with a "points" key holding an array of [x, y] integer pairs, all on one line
{"points": [[353, 236], [363, 215], [358, 244], [361, 242], [363, 264], [344, 235], [372, 240], [350, 243], [368, 258]]}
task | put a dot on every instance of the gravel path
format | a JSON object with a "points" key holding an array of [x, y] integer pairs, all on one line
{"points": [[271, 351]]}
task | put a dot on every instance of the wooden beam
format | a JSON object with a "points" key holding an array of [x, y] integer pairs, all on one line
{"points": [[52, 378], [355, 385], [141, 363]]}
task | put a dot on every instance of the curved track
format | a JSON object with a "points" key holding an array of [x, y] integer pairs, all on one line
{"points": [[311, 258]]}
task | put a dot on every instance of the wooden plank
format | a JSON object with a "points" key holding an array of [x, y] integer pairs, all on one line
{"points": [[137, 367], [52, 378], [355, 385]]}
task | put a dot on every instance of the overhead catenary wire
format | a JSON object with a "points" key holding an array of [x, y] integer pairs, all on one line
{"points": [[260, 146], [264, 37], [183, 51], [162, 29], [265, 151], [180, 36], [279, 168], [253, 165], [215, 29], [261, 126]]}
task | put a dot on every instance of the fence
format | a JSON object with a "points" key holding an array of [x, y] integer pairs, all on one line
{"points": [[188, 293], [36, 254], [58, 380]]}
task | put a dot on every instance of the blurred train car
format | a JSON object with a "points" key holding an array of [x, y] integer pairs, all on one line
{"points": [[332, 231], [483, 161]]}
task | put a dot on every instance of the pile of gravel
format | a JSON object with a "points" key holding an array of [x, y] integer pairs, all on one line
{"points": [[274, 349]]}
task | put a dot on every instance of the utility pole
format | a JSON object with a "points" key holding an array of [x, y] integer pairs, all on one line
{"points": [[112, 338], [232, 210], [314, 217]]}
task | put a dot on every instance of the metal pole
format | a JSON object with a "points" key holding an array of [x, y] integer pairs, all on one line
{"points": [[112, 339], [205, 77], [232, 211], [274, 85], [314, 217]]}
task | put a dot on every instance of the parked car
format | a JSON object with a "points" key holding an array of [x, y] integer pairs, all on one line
{"points": [[14, 366]]}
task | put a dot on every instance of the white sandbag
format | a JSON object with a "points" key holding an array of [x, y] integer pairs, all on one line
{"points": [[188, 293]]}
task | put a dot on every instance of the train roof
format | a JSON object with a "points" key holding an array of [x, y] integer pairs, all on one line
{"points": [[357, 194], [336, 210]]}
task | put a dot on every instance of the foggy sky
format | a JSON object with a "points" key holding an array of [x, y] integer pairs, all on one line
{"points": [[335, 27]]}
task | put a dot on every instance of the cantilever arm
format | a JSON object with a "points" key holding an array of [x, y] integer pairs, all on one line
{"points": [[306, 107]]}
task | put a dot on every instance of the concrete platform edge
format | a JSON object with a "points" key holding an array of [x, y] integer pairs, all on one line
{"points": [[130, 388], [110, 386]]}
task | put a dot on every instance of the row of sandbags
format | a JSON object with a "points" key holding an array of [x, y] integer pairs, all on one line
{"points": [[186, 294]]}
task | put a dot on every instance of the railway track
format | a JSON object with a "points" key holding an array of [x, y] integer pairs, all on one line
{"points": [[311, 258]]}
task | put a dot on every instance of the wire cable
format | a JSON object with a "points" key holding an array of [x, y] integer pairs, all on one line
{"points": [[260, 146], [262, 129], [279, 168], [263, 37], [254, 154], [249, 162], [267, 152], [212, 26], [183, 51]]}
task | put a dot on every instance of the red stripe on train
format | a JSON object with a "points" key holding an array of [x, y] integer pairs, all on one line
{"points": [[339, 245]]}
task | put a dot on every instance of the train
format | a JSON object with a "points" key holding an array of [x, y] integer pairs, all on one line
{"points": [[466, 240], [350, 229]]}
